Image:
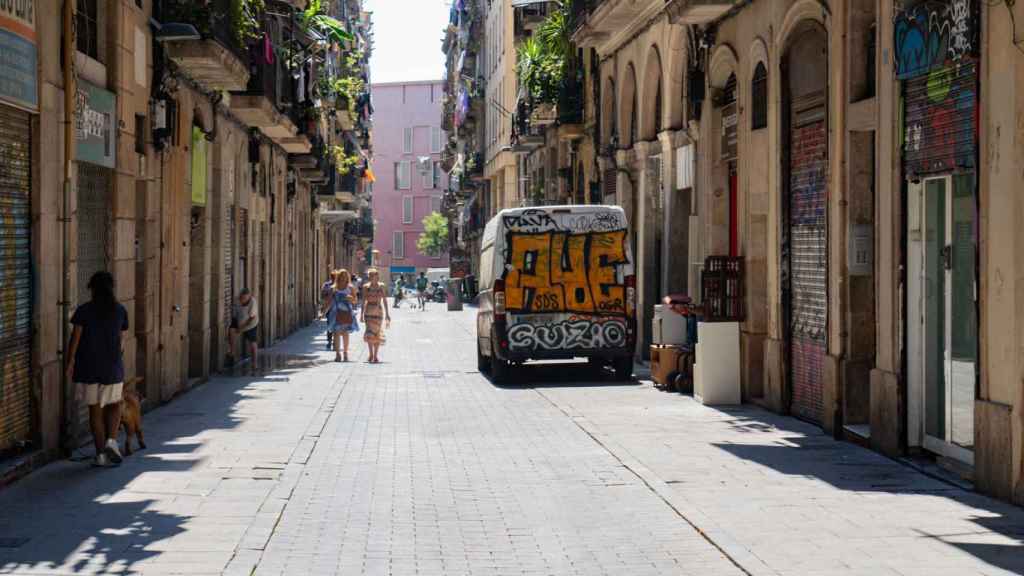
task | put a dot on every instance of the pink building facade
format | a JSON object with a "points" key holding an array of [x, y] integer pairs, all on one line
{"points": [[410, 181]]}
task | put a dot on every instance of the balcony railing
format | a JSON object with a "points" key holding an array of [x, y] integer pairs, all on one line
{"points": [[220, 60]]}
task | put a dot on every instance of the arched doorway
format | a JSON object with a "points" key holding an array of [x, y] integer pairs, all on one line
{"points": [[804, 262]]}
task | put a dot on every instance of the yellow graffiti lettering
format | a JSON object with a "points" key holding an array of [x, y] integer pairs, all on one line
{"points": [[528, 285], [569, 271], [563, 272], [606, 250]]}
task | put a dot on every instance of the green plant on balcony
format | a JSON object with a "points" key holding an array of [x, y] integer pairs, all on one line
{"points": [[245, 16], [343, 161], [544, 59], [315, 18]]}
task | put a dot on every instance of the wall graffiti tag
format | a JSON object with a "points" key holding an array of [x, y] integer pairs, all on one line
{"points": [[940, 120], [560, 271], [572, 334], [932, 34]]}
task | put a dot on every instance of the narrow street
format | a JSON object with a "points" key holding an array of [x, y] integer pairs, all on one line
{"points": [[422, 466]]}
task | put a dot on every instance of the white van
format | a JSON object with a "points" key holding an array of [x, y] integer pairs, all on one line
{"points": [[556, 282]]}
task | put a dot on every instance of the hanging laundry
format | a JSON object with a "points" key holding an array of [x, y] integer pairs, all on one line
{"points": [[268, 50]]}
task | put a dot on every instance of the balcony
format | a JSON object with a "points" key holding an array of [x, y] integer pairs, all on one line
{"points": [[259, 106], [219, 60], [698, 11]]}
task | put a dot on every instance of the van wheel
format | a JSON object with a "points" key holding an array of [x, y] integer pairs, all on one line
{"points": [[623, 368], [483, 363], [501, 370]]}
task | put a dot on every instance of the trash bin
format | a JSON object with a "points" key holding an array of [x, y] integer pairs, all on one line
{"points": [[454, 290]]}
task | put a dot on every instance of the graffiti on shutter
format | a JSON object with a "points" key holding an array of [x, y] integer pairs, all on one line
{"points": [[229, 261], [808, 253], [15, 280], [940, 120]]}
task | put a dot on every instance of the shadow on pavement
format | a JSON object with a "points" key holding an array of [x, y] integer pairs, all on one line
{"points": [[807, 452], [562, 374], [72, 518]]}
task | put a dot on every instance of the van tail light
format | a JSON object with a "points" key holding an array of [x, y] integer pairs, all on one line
{"points": [[630, 295], [631, 310], [499, 300]]}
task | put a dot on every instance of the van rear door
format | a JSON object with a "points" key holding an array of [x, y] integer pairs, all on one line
{"points": [[567, 282]]}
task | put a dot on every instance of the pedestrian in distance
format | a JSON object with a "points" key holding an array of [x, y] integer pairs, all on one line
{"points": [[95, 364], [421, 290], [325, 293], [374, 313], [341, 313], [244, 320], [398, 292]]}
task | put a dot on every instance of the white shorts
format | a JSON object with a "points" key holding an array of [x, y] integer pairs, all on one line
{"points": [[102, 394]]}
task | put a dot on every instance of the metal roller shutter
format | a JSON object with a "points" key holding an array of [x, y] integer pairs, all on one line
{"points": [[940, 120], [229, 260], [15, 279], [93, 237], [808, 237]]}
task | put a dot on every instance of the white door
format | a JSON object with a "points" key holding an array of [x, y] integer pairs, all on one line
{"points": [[942, 313]]}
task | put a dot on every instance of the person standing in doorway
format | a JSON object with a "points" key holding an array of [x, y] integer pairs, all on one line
{"points": [[325, 293], [375, 312], [244, 320], [421, 290], [96, 364], [341, 313]]}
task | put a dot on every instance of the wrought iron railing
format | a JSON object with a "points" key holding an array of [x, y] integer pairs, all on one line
{"points": [[215, 19]]}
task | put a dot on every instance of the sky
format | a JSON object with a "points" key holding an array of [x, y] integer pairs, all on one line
{"points": [[407, 39]]}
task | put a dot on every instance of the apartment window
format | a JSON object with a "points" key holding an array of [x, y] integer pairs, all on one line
{"points": [[436, 172], [407, 141], [403, 174], [759, 98], [87, 28], [407, 210], [398, 245], [435, 204], [435, 140], [428, 176]]}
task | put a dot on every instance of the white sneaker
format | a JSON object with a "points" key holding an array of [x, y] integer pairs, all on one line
{"points": [[101, 461], [113, 452]]}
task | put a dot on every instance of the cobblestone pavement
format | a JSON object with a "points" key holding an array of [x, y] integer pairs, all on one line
{"points": [[421, 466]]}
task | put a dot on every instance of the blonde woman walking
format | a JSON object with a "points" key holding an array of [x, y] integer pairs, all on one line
{"points": [[340, 308], [374, 312]]}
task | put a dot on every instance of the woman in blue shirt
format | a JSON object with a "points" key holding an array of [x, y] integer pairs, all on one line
{"points": [[340, 308]]}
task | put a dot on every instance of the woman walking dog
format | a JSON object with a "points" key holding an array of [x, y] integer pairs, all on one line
{"points": [[96, 364]]}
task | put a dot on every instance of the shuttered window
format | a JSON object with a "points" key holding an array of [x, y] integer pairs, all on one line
{"points": [[403, 175], [407, 209], [435, 140], [398, 249], [407, 141]]}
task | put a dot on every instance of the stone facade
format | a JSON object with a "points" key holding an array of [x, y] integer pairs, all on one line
{"points": [[179, 252]]}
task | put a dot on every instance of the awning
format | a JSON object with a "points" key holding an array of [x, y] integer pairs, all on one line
{"points": [[335, 216], [522, 3]]}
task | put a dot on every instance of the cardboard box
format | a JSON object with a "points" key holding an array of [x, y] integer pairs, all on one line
{"points": [[665, 363]]}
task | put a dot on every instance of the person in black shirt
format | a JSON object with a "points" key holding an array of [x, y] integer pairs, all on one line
{"points": [[96, 364]]}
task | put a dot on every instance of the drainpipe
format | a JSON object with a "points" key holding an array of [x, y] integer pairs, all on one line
{"points": [[69, 110]]}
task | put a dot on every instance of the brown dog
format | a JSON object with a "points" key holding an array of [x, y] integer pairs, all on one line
{"points": [[131, 416]]}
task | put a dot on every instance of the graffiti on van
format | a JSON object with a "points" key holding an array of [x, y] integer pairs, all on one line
{"points": [[532, 220], [572, 334], [560, 271]]}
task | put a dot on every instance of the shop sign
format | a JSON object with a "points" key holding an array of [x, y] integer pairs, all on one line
{"points": [[198, 166], [18, 76], [95, 136]]}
